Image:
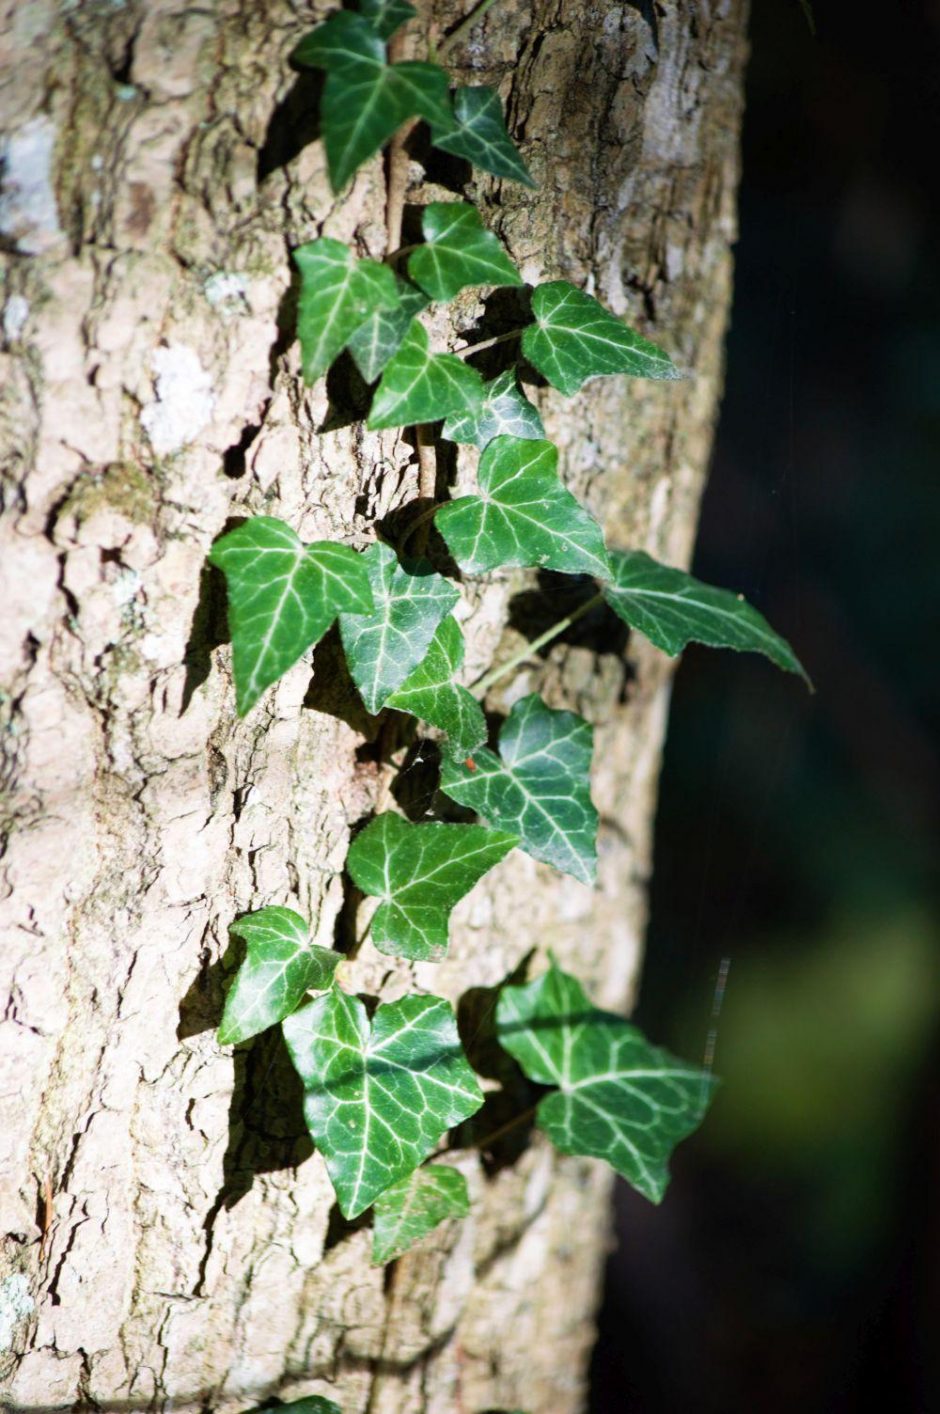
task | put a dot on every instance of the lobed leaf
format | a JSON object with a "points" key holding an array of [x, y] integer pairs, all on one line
{"points": [[575, 338], [283, 595], [430, 694], [337, 294], [538, 787], [409, 1210], [378, 1097], [672, 609], [505, 410], [617, 1098], [386, 16], [420, 872], [380, 336], [458, 251], [475, 129], [418, 386], [523, 516], [384, 646], [282, 964]]}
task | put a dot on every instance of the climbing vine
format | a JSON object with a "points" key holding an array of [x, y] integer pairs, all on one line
{"points": [[383, 1089]]}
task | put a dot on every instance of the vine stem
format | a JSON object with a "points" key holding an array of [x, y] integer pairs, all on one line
{"points": [[484, 684], [489, 343], [463, 29]]}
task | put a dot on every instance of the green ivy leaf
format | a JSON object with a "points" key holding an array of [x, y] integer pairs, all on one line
{"points": [[310, 1404], [524, 515], [538, 787], [282, 597], [476, 130], [337, 293], [505, 410], [418, 386], [458, 251], [386, 16], [384, 646], [365, 99], [430, 694], [673, 609], [574, 338], [379, 1097], [380, 336], [282, 964], [618, 1098], [420, 872], [409, 1210]]}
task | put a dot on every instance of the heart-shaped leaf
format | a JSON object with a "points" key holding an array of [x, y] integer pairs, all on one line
{"points": [[431, 694], [618, 1098], [337, 293], [505, 410], [282, 597], [523, 516], [310, 1404], [282, 964], [458, 251], [420, 872], [409, 1210], [476, 130], [574, 338], [672, 609], [418, 386], [365, 99], [384, 646], [386, 16], [380, 336], [538, 787], [379, 1097]]}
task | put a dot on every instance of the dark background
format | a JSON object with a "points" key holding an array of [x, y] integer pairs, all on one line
{"points": [[795, 1263]]}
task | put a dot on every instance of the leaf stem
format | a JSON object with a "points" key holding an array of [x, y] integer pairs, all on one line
{"points": [[489, 343], [464, 28], [490, 1139], [502, 670]]}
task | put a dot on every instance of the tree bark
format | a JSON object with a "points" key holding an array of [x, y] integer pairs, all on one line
{"points": [[171, 1239]]}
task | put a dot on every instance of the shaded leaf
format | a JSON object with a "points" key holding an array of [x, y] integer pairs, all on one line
{"points": [[384, 646], [282, 597], [458, 251], [310, 1404], [386, 16], [337, 293], [379, 1097], [672, 609], [282, 964], [538, 787], [476, 130], [418, 386], [575, 338], [618, 1098], [430, 693], [380, 336], [523, 516], [505, 410], [409, 1210], [420, 872]]}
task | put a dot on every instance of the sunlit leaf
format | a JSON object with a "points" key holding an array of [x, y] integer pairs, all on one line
{"points": [[386, 16], [458, 251], [418, 386], [378, 1097], [430, 693], [574, 338], [337, 293], [505, 410], [420, 872], [409, 1210], [476, 130], [282, 964], [617, 1098], [282, 597], [380, 336], [537, 787]]}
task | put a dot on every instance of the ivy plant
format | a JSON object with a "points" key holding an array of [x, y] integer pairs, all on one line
{"points": [[383, 1088]]}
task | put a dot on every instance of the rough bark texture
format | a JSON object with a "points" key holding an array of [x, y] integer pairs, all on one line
{"points": [[170, 1240]]}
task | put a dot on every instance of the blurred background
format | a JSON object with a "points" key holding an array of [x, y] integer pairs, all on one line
{"points": [[795, 1263]]}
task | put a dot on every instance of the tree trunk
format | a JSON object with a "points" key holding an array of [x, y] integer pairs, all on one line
{"points": [[172, 1241]]}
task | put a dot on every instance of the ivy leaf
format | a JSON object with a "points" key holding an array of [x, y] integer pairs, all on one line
{"points": [[379, 1097], [281, 966], [524, 515], [574, 338], [282, 597], [672, 609], [409, 1210], [384, 646], [430, 694], [618, 1098], [538, 787], [386, 16], [380, 336], [420, 872], [458, 251], [505, 410], [476, 130], [337, 293], [310, 1404], [418, 386], [365, 99]]}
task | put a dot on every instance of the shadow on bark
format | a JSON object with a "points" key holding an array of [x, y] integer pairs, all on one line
{"points": [[295, 123], [208, 630]]}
